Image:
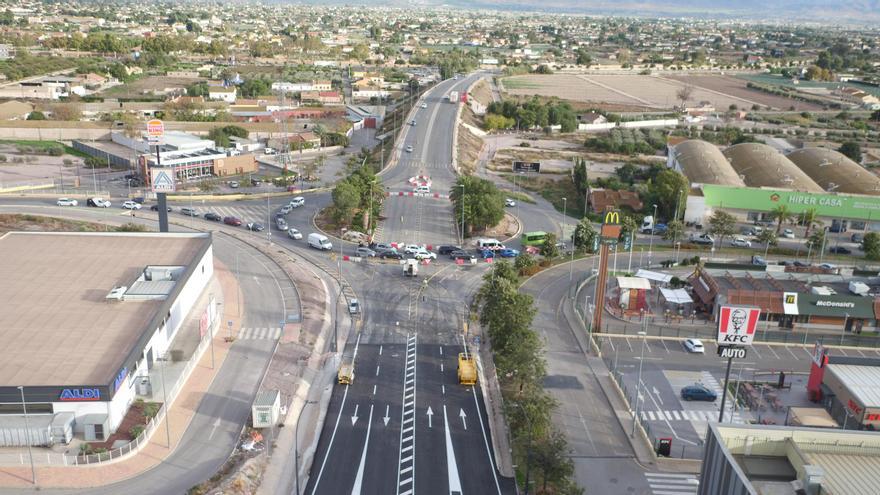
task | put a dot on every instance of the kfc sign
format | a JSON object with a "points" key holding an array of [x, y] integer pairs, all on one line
{"points": [[736, 325]]}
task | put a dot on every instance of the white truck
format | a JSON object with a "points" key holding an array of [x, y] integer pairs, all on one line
{"points": [[320, 241], [647, 225], [410, 268], [453, 97]]}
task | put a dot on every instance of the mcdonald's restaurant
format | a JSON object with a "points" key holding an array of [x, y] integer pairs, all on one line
{"points": [[789, 301]]}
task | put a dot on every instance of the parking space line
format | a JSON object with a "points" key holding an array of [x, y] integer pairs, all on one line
{"points": [[663, 341], [610, 341], [860, 352], [628, 344], [841, 351], [877, 353], [755, 350], [787, 348], [773, 351]]}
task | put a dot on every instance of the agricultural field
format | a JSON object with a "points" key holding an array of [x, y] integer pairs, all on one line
{"points": [[147, 85], [737, 87], [647, 92]]}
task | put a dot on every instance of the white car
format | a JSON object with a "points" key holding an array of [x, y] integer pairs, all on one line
{"points": [[423, 253], [66, 202], [424, 105], [294, 234], [788, 234], [740, 242], [409, 148], [354, 307], [412, 248], [131, 205], [694, 345], [509, 202], [286, 209], [297, 202], [98, 202]]}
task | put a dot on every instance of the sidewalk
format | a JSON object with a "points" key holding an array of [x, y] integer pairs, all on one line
{"points": [[180, 415]]}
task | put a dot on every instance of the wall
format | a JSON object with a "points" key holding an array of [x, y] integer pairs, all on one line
{"points": [[231, 165], [719, 472], [81, 409]]}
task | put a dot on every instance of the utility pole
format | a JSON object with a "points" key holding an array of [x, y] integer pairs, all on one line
{"points": [[638, 398]]}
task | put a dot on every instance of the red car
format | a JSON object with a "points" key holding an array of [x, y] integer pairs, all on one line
{"points": [[232, 221]]}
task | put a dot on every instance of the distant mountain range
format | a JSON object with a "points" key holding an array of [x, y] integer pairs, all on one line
{"points": [[821, 11]]}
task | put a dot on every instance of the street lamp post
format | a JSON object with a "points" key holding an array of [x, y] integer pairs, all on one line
{"points": [[296, 444], [651, 242], [644, 335], [843, 330], [562, 234], [28, 436], [165, 403], [461, 206], [529, 447]]}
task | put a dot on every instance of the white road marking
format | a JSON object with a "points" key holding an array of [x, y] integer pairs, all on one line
{"points": [[755, 350], [463, 417], [451, 466], [407, 465], [354, 417], [377, 370], [787, 348], [773, 351], [430, 414], [214, 427], [443, 388], [386, 418], [359, 479], [374, 389], [380, 350], [486, 440], [441, 367]]}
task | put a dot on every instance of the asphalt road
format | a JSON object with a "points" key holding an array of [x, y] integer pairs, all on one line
{"points": [[206, 443]]}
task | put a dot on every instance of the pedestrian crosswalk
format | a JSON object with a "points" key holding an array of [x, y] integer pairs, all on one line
{"points": [[672, 483], [699, 415], [424, 165], [711, 383], [259, 333]]}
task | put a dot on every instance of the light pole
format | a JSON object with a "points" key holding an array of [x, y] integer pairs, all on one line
{"points": [[529, 448], [843, 330], [28, 436], [461, 205], [562, 234], [678, 251], [165, 403], [651, 242], [644, 335], [296, 444]]}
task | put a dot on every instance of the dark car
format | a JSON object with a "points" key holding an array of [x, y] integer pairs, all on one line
{"points": [[232, 221], [213, 217], [447, 249], [857, 238], [698, 392], [391, 255], [156, 208], [802, 264], [459, 253], [840, 250], [255, 226]]}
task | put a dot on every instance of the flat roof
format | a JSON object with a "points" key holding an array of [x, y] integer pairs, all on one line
{"points": [[862, 381], [57, 326]]}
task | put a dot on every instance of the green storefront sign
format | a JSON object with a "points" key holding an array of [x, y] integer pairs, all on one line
{"points": [[765, 200]]}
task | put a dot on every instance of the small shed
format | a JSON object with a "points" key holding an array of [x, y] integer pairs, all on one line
{"points": [[633, 293], [677, 301], [96, 427], [266, 409]]}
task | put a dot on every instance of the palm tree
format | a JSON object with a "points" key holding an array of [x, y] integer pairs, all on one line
{"points": [[781, 214], [810, 218]]}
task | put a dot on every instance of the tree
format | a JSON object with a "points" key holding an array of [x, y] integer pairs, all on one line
{"points": [[816, 241], [523, 262], [345, 200], [781, 214], [583, 58], [550, 457], [580, 177], [684, 94], [768, 238], [549, 249], [253, 88], [360, 52], [311, 168], [722, 224], [871, 246], [36, 115], [584, 236], [852, 150], [674, 231], [810, 218], [481, 200], [668, 189]]}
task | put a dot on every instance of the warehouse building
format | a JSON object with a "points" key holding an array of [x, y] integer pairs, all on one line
{"points": [[783, 460], [760, 165], [848, 387], [87, 314], [833, 171], [703, 163]]}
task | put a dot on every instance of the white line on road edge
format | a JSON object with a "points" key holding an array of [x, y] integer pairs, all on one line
{"points": [[359, 479], [461, 415], [486, 441], [335, 427], [451, 466]]}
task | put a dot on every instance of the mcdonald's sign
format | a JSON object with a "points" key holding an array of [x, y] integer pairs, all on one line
{"points": [[612, 218]]}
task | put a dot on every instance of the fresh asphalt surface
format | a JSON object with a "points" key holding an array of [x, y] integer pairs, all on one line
{"points": [[206, 444]]}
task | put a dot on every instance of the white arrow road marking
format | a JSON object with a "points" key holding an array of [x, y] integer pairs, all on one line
{"points": [[387, 418], [359, 479], [451, 466], [463, 417], [430, 414], [657, 393], [354, 417], [256, 280], [214, 427]]}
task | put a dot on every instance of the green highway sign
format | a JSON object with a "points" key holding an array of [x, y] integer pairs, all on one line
{"points": [[765, 200]]}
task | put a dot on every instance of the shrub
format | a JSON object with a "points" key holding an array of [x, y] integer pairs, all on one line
{"points": [[55, 150], [131, 227], [67, 162], [135, 431], [85, 448], [151, 409]]}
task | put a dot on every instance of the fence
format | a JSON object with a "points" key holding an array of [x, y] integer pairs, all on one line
{"points": [[60, 459]]}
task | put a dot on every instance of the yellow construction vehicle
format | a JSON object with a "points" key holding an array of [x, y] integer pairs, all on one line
{"points": [[346, 371], [467, 369]]}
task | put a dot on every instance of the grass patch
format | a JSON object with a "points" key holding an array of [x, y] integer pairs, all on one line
{"points": [[514, 83], [553, 190], [44, 146]]}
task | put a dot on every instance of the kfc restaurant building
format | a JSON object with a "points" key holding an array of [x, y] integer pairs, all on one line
{"points": [[848, 387]]}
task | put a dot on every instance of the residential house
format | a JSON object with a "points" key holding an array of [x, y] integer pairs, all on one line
{"points": [[601, 200], [224, 93], [592, 118]]}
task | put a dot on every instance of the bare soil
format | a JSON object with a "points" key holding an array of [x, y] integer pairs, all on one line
{"points": [[469, 147], [37, 223], [737, 87], [148, 84]]}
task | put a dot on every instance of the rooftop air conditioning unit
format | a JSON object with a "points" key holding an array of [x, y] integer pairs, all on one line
{"points": [[117, 293]]}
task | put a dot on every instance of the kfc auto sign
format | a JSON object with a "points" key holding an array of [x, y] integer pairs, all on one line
{"points": [[736, 325]]}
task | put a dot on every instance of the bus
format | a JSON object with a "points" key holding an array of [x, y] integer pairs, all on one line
{"points": [[534, 238]]}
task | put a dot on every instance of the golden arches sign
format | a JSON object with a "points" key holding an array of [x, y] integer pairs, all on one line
{"points": [[612, 218]]}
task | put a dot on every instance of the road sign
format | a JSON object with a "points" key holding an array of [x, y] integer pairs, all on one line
{"points": [[736, 324], [162, 180], [727, 351], [527, 167], [155, 131]]}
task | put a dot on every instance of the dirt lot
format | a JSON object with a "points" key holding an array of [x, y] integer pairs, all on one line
{"points": [[36, 223], [737, 87], [148, 85], [641, 91]]}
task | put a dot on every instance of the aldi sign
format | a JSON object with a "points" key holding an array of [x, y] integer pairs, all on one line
{"points": [[736, 325], [162, 180]]}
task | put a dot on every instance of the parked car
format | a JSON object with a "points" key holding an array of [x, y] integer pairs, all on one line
{"points": [[801, 264], [286, 209], [255, 226], [508, 253], [459, 253], [365, 252], [704, 239], [354, 307], [412, 248], [857, 238], [390, 254], [381, 246], [694, 345], [741, 242], [840, 250], [234, 184], [759, 260], [235, 222], [463, 255], [98, 203], [698, 392], [190, 212], [509, 202], [446, 249], [749, 231], [294, 234], [828, 267], [423, 254], [424, 105], [213, 216], [487, 253], [66, 202], [156, 208], [788, 234]]}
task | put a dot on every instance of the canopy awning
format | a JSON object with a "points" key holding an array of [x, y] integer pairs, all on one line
{"points": [[655, 276], [633, 283], [676, 296]]}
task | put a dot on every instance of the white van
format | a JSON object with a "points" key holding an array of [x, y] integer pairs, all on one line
{"points": [[490, 244], [297, 202], [422, 190], [319, 241]]}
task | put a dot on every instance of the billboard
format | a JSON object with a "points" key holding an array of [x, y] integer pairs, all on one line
{"points": [[825, 204], [162, 180], [610, 229], [736, 324], [155, 131], [527, 167]]}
